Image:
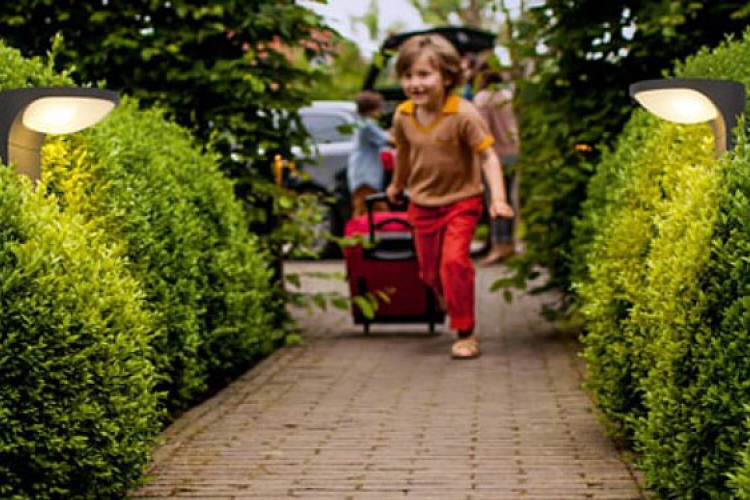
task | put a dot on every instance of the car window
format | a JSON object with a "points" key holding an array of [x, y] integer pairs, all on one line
{"points": [[327, 128]]}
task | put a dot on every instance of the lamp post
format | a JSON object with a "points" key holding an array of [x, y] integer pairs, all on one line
{"points": [[695, 100], [26, 115]]}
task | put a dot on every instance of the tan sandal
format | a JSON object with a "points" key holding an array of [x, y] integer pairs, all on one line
{"points": [[467, 348]]}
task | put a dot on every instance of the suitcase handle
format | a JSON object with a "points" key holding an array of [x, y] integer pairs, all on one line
{"points": [[381, 251], [370, 200]]}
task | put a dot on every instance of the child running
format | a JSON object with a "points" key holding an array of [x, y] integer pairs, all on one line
{"points": [[443, 149]]}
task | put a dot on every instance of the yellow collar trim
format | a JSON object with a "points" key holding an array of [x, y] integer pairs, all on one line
{"points": [[450, 105]]}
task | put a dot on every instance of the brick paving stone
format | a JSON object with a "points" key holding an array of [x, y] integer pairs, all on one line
{"points": [[391, 416]]}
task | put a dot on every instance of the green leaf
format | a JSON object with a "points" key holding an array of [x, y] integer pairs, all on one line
{"points": [[293, 279], [364, 305]]}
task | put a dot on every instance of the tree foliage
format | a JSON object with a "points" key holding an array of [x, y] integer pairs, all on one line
{"points": [[577, 101], [232, 72], [221, 68], [346, 69], [446, 11]]}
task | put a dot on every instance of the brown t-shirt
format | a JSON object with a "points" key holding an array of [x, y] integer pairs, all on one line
{"points": [[438, 162]]}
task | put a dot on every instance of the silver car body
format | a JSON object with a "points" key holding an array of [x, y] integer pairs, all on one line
{"points": [[330, 123]]}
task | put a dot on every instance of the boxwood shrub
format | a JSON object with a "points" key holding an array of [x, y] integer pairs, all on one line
{"points": [[667, 311], [695, 426], [130, 285], [619, 298], [186, 237], [78, 407]]}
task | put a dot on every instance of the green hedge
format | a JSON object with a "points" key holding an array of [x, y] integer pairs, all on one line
{"points": [[77, 396], [644, 180], [662, 269], [205, 277], [131, 287]]}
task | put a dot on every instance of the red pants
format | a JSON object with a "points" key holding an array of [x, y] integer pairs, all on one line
{"points": [[442, 236]]}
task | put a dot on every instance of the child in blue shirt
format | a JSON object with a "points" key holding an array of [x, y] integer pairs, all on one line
{"points": [[365, 173]]}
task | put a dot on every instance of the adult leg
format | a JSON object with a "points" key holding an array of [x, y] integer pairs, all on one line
{"points": [[502, 231]]}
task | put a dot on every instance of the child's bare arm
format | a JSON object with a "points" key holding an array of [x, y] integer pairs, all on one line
{"points": [[493, 173], [391, 137], [400, 168]]}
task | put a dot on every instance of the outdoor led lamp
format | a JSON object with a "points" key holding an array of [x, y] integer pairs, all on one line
{"points": [[694, 100], [26, 115]]}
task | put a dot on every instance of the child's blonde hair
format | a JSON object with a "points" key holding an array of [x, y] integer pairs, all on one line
{"points": [[440, 52]]}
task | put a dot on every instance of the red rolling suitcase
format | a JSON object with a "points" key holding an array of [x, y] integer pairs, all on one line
{"points": [[387, 262]]}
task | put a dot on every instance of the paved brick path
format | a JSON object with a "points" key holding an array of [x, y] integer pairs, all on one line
{"points": [[390, 416]]}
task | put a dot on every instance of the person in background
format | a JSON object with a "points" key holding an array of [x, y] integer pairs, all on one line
{"points": [[469, 69], [444, 148], [365, 175], [495, 103]]}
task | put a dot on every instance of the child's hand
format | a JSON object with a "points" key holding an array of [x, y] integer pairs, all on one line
{"points": [[394, 194], [501, 209]]}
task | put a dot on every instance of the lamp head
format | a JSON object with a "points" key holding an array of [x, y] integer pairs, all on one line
{"points": [[694, 100], [65, 115], [26, 115], [678, 105]]}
